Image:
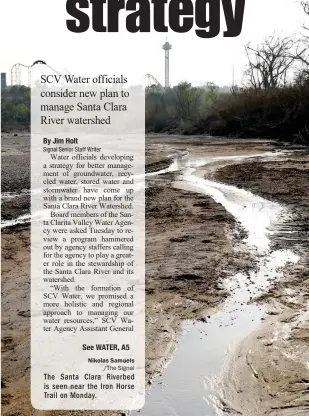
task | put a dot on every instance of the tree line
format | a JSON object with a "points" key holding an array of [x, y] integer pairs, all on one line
{"points": [[273, 101], [15, 108]]}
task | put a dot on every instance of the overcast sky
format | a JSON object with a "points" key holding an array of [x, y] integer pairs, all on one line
{"points": [[36, 29]]}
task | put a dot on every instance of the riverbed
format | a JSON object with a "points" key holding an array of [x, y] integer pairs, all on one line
{"points": [[191, 382], [222, 249]]}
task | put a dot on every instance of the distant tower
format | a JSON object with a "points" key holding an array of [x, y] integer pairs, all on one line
{"points": [[167, 47], [3, 80]]}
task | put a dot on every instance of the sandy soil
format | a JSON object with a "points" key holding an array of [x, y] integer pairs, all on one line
{"points": [[269, 374], [189, 252]]}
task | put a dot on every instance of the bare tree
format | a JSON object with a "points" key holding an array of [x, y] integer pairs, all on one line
{"points": [[213, 91], [236, 89], [270, 63], [301, 53], [188, 100], [305, 6]]}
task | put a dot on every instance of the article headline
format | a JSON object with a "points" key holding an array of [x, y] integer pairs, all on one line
{"points": [[181, 16]]}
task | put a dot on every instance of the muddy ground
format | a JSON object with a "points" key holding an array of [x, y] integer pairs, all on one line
{"points": [[273, 361], [190, 243]]}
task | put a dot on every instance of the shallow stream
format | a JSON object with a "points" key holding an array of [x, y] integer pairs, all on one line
{"points": [[190, 384]]}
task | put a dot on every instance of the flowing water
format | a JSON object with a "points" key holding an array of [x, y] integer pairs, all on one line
{"points": [[190, 383], [45, 214]]}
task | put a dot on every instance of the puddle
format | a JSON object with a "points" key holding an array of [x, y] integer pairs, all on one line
{"points": [[6, 196], [45, 214], [254, 213], [23, 219], [189, 384]]}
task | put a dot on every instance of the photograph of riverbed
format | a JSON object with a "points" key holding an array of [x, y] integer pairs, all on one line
{"points": [[226, 277]]}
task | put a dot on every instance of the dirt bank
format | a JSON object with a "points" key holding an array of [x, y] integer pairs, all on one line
{"points": [[190, 243], [269, 372], [189, 251]]}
